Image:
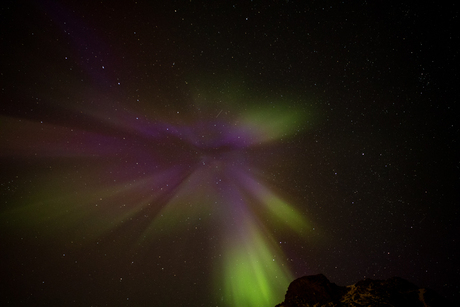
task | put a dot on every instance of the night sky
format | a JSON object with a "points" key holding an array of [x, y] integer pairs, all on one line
{"points": [[207, 153]]}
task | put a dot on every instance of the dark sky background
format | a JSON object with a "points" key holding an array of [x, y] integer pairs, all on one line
{"points": [[151, 152]]}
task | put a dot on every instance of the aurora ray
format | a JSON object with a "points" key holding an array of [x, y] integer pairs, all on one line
{"points": [[147, 175]]}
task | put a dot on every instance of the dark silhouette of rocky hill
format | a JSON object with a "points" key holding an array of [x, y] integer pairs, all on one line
{"points": [[318, 291]]}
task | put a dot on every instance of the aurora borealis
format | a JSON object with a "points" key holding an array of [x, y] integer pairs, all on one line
{"points": [[206, 175], [192, 154]]}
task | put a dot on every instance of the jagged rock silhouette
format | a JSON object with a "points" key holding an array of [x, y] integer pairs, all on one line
{"points": [[318, 291]]}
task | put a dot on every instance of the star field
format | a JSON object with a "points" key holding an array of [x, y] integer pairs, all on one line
{"points": [[190, 153]]}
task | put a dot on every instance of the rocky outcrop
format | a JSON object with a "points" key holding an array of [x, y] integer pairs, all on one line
{"points": [[318, 291]]}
